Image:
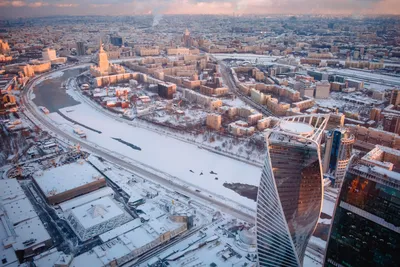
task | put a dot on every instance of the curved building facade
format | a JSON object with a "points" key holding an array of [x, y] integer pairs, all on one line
{"points": [[291, 190], [338, 151]]}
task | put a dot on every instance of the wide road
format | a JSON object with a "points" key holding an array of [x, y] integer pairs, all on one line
{"points": [[114, 158]]}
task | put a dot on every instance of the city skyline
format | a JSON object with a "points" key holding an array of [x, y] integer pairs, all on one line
{"points": [[199, 140], [33, 8]]}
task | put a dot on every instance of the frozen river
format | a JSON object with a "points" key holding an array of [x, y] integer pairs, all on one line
{"points": [[161, 152]]}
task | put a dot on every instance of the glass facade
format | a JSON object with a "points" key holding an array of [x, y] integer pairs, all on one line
{"points": [[289, 200], [366, 226], [337, 136]]}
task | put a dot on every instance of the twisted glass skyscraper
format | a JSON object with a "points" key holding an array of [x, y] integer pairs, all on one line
{"points": [[291, 190]]}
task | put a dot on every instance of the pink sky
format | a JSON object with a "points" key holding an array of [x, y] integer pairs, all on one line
{"points": [[27, 8]]}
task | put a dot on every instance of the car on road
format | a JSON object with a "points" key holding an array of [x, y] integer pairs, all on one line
{"points": [[44, 110]]}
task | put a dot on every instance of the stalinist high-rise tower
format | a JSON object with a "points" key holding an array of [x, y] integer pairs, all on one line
{"points": [[103, 67], [102, 59]]}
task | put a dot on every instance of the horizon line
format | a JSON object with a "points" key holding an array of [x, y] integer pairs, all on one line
{"points": [[205, 14]]}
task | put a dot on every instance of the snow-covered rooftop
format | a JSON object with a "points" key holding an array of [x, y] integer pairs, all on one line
{"points": [[129, 226], [297, 128], [10, 189], [388, 173], [64, 178], [77, 201], [52, 257], [19, 210], [7, 254], [126, 243], [114, 249], [96, 212], [150, 209], [30, 229]]}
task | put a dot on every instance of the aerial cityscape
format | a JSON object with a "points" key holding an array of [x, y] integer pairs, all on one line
{"points": [[199, 133]]}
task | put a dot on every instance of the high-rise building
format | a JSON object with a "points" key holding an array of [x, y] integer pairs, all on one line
{"points": [[102, 59], [186, 39], [116, 40], [338, 151], [366, 224], [290, 194], [80, 48], [103, 67]]}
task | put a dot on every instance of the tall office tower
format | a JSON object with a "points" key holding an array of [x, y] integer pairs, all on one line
{"points": [[116, 40], [338, 151], [366, 224], [80, 48], [290, 195]]}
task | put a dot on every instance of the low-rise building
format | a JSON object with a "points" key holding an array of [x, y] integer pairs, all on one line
{"points": [[254, 118], [22, 233], [191, 84], [337, 86], [132, 242], [263, 124], [240, 128], [259, 97], [322, 89], [49, 54], [304, 104], [40, 66], [354, 83], [96, 217], [277, 108], [68, 181], [206, 90], [151, 51], [178, 51], [367, 138]]}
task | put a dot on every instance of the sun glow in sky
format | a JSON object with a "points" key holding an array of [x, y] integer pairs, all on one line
{"points": [[31, 8]]}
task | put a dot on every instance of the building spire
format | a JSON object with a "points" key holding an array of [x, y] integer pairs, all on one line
{"points": [[101, 46]]}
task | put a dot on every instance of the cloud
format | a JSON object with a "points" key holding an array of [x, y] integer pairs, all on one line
{"points": [[10, 8], [100, 5], [19, 3], [38, 4], [65, 5]]}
